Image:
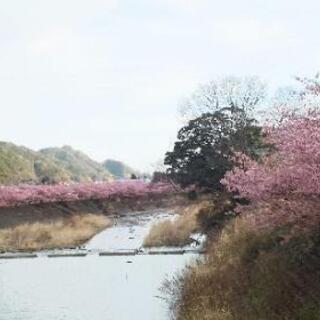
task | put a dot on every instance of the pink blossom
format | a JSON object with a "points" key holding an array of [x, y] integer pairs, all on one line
{"points": [[285, 186], [33, 194], [293, 169]]}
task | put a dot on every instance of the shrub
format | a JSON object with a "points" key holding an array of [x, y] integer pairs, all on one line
{"points": [[214, 214]]}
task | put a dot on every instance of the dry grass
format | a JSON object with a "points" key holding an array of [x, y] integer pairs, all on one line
{"points": [[251, 275], [175, 232], [170, 233], [61, 233]]}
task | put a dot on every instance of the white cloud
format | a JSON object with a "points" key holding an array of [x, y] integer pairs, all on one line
{"points": [[188, 5], [99, 74], [249, 34], [58, 40]]}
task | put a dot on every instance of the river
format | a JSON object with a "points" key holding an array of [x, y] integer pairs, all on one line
{"points": [[92, 287]]}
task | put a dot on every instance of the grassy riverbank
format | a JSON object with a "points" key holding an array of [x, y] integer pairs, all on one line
{"points": [[60, 233], [252, 273], [194, 216], [174, 232]]}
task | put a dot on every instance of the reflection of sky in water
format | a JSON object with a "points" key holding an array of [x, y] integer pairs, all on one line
{"points": [[92, 287], [127, 233]]}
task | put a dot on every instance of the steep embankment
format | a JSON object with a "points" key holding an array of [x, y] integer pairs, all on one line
{"points": [[11, 216]]}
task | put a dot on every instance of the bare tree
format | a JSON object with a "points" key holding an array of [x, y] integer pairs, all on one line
{"points": [[244, 93], [305, 94]]}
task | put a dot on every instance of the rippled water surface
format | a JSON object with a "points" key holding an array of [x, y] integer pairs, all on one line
{"points": [[92, 287]]}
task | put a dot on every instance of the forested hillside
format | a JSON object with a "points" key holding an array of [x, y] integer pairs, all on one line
{"points": [[19, 164], [78, 165], [119, 169]]}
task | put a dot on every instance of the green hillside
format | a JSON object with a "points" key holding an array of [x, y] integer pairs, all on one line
{"points": [[78, 165], [19, 164], [119, 169]]}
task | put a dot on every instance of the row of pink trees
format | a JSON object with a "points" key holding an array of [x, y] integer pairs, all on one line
{"points": [[32, 194], [287, 180]]}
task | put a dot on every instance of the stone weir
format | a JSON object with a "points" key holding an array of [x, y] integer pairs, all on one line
{"points": [[111, 253]]}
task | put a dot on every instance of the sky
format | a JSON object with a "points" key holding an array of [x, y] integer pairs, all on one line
{"points": [[107, 76]]}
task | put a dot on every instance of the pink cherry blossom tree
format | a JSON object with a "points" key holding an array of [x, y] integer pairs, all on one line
{"points": [[32, 194], [287, 181]]}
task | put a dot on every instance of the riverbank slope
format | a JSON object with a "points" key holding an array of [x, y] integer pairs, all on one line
{"points": [[69, 224], [255, 271]]}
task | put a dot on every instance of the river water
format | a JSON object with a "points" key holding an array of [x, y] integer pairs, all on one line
{"points": [[92, 287]]}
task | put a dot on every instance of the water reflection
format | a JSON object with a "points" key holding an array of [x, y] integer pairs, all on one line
{"points": [[92, 287], [127, 232]]}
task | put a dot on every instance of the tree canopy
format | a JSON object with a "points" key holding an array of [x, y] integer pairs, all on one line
{"points": [[244, 93], [206, 145]]}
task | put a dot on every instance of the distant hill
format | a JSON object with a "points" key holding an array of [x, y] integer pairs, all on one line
{"points": [[79, 166], [119, 169], [19, 164]]}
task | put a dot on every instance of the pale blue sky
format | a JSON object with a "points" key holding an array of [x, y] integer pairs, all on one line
{"points": [[106, 76]]}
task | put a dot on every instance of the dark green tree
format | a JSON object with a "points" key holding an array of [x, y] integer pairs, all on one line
{"points": [[133, 176], [206, 145]]}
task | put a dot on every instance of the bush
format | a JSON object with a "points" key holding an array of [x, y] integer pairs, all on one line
{"points": [[213, 216]]}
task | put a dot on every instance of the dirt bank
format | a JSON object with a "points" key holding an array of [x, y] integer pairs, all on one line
{"points": [[50, 212], [69, 224]]}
